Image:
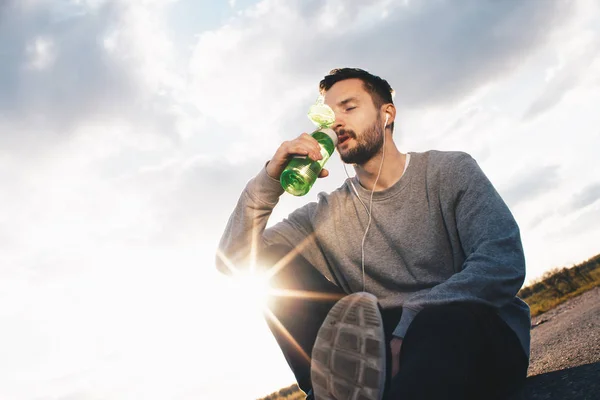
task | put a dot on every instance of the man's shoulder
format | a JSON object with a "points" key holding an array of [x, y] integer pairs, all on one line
{"points": [[445, 166], [443, 159]]}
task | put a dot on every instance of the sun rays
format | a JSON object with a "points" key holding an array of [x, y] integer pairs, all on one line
{"points": [[286, 334], [256, 280], [252, 284]]}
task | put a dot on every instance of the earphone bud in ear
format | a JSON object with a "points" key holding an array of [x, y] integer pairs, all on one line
{"points": [[387, 116]]}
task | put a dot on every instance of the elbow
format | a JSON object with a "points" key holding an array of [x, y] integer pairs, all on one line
{"points": [[521, 278], [520, 267], [517, 277], [222, 265]]}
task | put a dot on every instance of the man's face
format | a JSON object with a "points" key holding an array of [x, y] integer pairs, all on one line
{"points": [[357, 122]]}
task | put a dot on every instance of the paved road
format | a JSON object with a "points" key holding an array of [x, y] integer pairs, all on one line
{"points": [[565, 352]]}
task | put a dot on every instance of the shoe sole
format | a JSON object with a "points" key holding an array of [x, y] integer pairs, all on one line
{"points": [[348, 358]]}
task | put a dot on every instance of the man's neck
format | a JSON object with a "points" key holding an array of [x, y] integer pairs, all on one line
{"points": [[391, 172]]}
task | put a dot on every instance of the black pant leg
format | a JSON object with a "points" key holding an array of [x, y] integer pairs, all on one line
{"points": [[391, 318], [508, 370], [298, 318], [458, 351]]}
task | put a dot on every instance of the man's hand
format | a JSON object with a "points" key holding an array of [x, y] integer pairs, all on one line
{"points": [[395, 346], [303, 145]]}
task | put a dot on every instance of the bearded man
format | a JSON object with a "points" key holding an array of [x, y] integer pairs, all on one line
{"points": [[427, 273]]}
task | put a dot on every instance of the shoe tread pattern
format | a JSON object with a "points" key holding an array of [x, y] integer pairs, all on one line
{"points": [[348, 358]]}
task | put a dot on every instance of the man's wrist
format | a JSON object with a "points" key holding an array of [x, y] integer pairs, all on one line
{"points": [[265, 187], [269, 174]]}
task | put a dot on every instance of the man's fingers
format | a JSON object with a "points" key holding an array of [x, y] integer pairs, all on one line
{"points": [[395, 367], [312, 144], [304, 147], [395, 347], [323, 173]]}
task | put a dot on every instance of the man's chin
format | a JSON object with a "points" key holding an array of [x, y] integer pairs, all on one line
{"points": [[349, 159], [354, 158]]}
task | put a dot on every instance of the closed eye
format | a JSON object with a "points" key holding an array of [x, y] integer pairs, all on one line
{"points": [[350, 108]]}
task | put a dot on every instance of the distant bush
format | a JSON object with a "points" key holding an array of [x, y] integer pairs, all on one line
{"points": [[560, 284], [292, 392]]}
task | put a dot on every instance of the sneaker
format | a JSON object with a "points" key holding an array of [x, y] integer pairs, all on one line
{"points": [[348, 358]]}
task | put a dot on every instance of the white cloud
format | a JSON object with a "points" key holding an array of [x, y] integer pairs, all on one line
{"points": [[575, 57], [42, 53]]}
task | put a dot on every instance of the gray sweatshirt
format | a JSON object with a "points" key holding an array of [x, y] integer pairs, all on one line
{"points": [[441, 234]]}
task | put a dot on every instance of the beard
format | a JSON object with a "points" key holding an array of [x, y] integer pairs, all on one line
{"points": [[367, 146]]}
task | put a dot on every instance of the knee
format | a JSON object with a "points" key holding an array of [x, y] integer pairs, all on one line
{"points": [[271, 255], [441, 343], [288, 269], [276, 261], [449, 331], [446, 319]]}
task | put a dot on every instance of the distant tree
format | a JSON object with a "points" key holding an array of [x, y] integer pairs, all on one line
{"points": [[552, 281], [583, 274], [564, 277]]}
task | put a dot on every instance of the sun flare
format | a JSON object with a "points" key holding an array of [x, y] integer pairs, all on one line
{"points": [[252, 289]]}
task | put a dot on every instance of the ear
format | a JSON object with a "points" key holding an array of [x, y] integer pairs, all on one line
{"points": [[389, 111]]}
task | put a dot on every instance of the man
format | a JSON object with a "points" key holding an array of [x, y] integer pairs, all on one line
{"points": [[424, 253]]}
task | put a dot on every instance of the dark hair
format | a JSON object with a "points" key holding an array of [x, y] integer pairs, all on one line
{"points": [[380, 90]]}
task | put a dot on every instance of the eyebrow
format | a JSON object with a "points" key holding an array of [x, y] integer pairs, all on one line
{"points": [[348, 100]]}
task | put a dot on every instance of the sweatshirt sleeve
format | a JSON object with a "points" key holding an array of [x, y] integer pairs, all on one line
{"points": [[246, 234], [494, 267]]}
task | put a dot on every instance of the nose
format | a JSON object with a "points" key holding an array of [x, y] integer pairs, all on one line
{"points": [[338, 123]]}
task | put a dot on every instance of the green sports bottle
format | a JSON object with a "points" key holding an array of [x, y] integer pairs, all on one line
{"points": [[301, 173]]}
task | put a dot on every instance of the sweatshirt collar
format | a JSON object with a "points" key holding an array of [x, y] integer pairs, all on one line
{"points": [[396, 188]]}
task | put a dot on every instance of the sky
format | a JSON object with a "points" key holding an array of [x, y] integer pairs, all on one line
{"points": [[128, 129]]}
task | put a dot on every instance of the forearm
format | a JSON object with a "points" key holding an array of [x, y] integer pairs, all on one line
{"points": [[243, 234], [492, 275]]}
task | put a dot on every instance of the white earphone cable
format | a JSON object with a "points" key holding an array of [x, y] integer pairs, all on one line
{"points": [[370, 208]]}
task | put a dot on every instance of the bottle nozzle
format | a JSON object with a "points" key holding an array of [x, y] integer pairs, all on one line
{"points": [[321, 114]]}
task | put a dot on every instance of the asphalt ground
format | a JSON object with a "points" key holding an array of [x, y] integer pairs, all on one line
{"points": [[565, 352]]}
